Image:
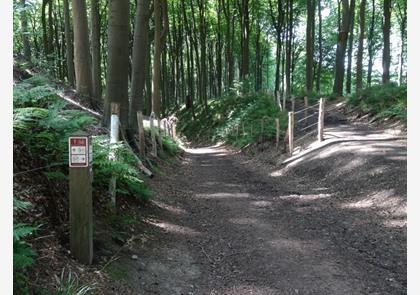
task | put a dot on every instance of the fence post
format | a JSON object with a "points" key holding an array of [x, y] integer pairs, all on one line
{"points": [[141, 135], [159, 133], [293, 104], [306, 110], [321, 120], [114, 137], [174, 129], [277, 132], [80, 197], [262, 129], [290, 130], [153, 135]]}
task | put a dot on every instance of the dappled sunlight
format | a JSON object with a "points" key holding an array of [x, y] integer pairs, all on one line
{"points": [[170, 208], [384, 199], [304, 198], [396, 223], [261, 204], [176, 229], [222, 195]]}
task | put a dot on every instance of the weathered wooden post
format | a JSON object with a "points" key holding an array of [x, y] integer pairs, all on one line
{"points": [[152, 133], [174, 128], [290, 130], [114, 133], [237, 132], [321, 119], [142, 143], [262, 130], [159, 133], [80, 184], [277, 132], [306, 110]]}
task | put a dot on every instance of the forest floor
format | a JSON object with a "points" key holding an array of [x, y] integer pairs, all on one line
{"points": [[330, 220]]}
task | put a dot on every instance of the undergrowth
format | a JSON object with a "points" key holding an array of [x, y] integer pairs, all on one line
{"points": [[383, 101], [235, 119]]}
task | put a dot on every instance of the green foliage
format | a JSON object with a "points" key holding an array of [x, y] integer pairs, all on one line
{"points": [[23, 255], [69, 285], [383, 101], [129, 180], [224, 117]]}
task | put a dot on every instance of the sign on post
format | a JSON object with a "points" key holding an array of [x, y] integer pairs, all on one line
{"points": [[80, 178]]}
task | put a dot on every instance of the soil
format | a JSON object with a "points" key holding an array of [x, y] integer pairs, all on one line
{"points": [[329, 220]]}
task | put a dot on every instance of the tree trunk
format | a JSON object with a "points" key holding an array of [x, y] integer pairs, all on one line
{"points": [[140, 50], [289, 49], [117, 65], [371, 44], [402, 13], [359, 63], [341, 49], [310, 7], [350, 47], [25, 32], [96, 54], [386, 56], [81, 49], [318, 76]]}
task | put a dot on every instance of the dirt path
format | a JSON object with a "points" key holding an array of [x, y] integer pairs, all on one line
{"points": [[329, 222]]}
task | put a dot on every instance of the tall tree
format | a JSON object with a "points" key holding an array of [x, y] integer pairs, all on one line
{"points": [[319, 66], [82, 60], [310, 29], [371, 43], [25, 31], [386, 55], [96, 53], [341, 49], [69, 44], [117, 70], [350, 47], [359, 63], [402, 20], [243, 8], [140, 50], [160, 8]]}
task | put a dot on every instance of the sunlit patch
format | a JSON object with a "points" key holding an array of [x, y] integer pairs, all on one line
{"points": [[396, 223], [304, 197], [243, 221], [383, 199], [261, 204], [222, 195], [170, 208], [178, 229]]}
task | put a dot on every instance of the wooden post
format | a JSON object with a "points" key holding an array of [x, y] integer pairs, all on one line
{"points": [[243, 128], [293, 104], [277, 132], [290, 130], [321, 120], [174, 129], [237, 132], [262, 129], [80, 197], [114, 138], [141, 135], [159, 133], [306, 110], [152, 133]]}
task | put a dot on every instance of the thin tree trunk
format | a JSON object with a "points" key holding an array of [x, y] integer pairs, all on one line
{"points": [[350, 47], [289, 50], [359, 63], [318, 76], [25, 32], [140, 50], [310, 7], [371, 44], [82, 60], [341, 49], [96, 53], [386, 56]]}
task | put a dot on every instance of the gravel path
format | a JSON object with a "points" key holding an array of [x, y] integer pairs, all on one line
{"points": [[332, 221]]}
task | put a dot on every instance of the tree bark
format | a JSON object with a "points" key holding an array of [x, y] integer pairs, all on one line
{"points": [[341, 49], [386, 56], [69, 44], [350, 47], [359, 63], [82, 60], [318, 76], [289, 50], [310, 9], [96, 53], [117, 70], [140, 50], [25, 32], [371, 44]]}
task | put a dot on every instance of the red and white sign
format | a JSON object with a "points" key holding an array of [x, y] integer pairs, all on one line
{"points": [[79, 151]]}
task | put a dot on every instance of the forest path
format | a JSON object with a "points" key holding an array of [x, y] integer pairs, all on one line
{"points": [[331, 222]]}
